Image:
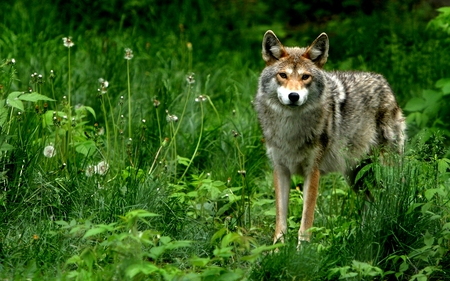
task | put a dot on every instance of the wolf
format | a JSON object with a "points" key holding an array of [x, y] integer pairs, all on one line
{"points": [[316, 122]]}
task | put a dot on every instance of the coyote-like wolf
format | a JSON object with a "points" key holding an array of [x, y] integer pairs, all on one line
{"points": [[315, 121]]}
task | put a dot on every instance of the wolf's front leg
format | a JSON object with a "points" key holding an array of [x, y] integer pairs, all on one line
{"points": [[282, 180], [310, 191]]}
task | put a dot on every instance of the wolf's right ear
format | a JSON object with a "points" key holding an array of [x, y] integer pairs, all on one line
{"points": [[272, 49]]}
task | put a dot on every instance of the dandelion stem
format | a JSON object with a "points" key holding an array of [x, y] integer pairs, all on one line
{"points": [[106, 126], [129, 99], [198, 142], [159, 125], [173, 138], [68, 100], [156, 158], [214, 108]]}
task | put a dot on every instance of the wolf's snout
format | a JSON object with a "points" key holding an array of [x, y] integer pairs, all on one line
{"points": [[294, 97]]}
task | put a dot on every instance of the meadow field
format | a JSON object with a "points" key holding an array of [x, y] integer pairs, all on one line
{"points": [[130, 148]]}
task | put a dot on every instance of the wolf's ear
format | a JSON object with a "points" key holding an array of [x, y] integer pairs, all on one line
{"points": [[272, 49], [318, 51]]}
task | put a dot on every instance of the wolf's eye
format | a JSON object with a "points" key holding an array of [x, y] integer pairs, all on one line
{"points": [[305, 76], [283, 75]]}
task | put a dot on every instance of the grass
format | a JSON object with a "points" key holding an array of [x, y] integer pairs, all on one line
{"points": [[159, 170]]}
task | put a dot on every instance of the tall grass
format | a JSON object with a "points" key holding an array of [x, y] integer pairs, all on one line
{"points": [[159, 170]]}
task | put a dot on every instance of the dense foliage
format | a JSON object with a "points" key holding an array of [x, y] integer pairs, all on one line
{"points": [[130, 149]]}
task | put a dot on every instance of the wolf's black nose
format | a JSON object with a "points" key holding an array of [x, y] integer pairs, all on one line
{"points": [[293, 97]]}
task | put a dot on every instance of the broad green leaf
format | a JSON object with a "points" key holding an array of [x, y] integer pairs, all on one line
{"points": [[348, 275], [202, 262], [145, 268], [183, 161], [446, 89], [223, 209], [443, 165], [178, 244], [88, 108], [74, 260], [442, 82], [363, 171], [224, 252], [101, 228], [165, 239], [257, 252], [62, 223], [428, 239], [87, 148], [404, 266], [141, 214], [6, 147], [94, 231], [444, 10], [34, 97], [219, 233], [415, 104], [155, 252], [429, 193], [14, 101], [431, 96]]}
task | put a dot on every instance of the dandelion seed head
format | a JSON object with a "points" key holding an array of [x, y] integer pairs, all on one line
{"points": [[171, 118], [11, 61], [128, 54], [102, 168], [49, 151], [190, 78], [68, 42], [156, 103], [103, 86], [90, 171], [200, 98], [242, 172]]}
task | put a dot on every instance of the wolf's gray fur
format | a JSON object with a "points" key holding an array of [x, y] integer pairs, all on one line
{"points": [[329, 121]]}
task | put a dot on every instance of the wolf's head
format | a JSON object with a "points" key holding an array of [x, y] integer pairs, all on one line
{"points": [[294, 74]]}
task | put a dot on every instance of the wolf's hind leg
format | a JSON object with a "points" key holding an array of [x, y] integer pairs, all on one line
{"points": [[361, 184]]}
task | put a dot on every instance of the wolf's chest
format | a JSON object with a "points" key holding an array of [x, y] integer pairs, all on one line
{"points": [[291, 144]]}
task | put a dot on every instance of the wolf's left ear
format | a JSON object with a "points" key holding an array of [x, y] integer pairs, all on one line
{"points": [[272, 49], [318, 51]]}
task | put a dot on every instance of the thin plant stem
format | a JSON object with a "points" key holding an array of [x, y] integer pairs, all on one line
{"points": [[106, 126], [173, 138], [244, 202], [129, 99], [156, 158], [68, 86], [198, 142], [214, 108], [159, 125], [69, 109]]}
